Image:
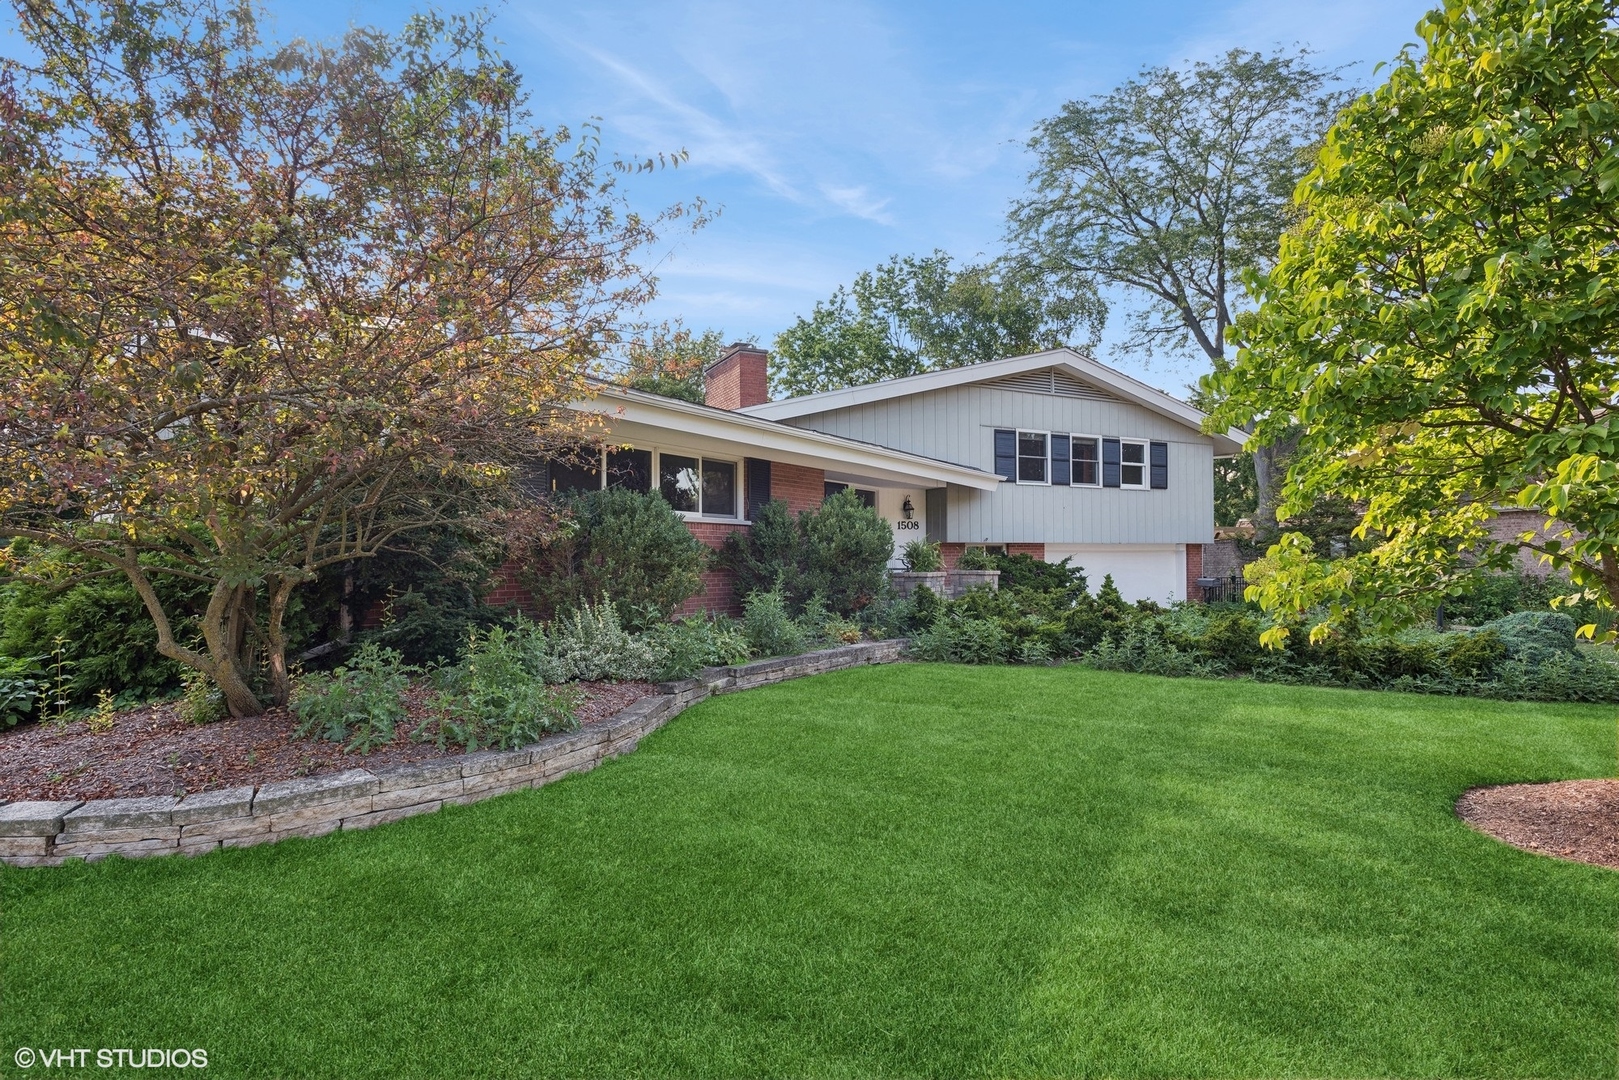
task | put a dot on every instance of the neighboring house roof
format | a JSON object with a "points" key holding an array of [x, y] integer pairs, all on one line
{"points": [[1088, 373], [761, 437]]}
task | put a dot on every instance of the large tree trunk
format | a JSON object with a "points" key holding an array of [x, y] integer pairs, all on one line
{"points": [[276, 640], [1270, 473], [223, 630]]}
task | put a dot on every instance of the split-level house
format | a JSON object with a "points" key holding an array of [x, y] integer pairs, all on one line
{"points": [[1052, 454]]}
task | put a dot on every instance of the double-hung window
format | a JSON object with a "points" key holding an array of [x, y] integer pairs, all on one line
{"points": [[1132, 463], [1087, 461], [1033, 465]]}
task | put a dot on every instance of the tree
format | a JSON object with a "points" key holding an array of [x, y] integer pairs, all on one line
{"points": [[912, 315], [1171, 186], [263, 308], [1442, 324], [670, 361]]}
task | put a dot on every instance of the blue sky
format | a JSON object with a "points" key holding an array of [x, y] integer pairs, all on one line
{"points": [[834, 134]]}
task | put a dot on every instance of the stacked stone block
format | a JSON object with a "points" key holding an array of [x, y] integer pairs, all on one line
{"points": [[48, 833]]}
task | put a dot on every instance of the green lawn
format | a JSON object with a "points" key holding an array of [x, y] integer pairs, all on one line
{"points": [[904, 871]]}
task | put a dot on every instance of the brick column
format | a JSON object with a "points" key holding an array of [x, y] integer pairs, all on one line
{"points": [[1194, 570]]}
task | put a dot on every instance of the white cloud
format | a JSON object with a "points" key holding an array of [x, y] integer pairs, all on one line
{"points": [[859, 201]]}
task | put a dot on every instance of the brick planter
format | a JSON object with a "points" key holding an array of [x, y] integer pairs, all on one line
{"points": [[41, 833], [961, 581], [905, 582]]}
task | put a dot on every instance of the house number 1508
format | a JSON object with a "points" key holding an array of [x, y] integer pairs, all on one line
{"points": [[908, 526]]}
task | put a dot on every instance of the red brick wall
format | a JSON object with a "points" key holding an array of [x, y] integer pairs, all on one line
{"points": [[717, 594], [799, 487], [738, 379], [1194, 570]]}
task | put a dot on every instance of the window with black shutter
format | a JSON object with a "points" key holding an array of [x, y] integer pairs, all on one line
{"points": [[1006, 454], [1059, 459], [1110, 463], [1158, 463]]}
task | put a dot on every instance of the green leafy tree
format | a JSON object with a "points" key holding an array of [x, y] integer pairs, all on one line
{"points": [[1442, 325], [670, 361], [1169, 187], [265, 307], [912, 315]]}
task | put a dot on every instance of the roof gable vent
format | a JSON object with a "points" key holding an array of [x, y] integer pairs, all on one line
{"points": [[1052, 381]]}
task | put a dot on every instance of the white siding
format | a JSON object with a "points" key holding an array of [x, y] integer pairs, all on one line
{"points": [[958, 424]]}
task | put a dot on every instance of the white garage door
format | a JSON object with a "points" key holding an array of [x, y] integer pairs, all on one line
{"points": [[1141, 571]]}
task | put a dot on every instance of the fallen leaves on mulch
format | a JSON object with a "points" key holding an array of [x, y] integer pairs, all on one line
{"points": [[151, 751], [1571, 819]]}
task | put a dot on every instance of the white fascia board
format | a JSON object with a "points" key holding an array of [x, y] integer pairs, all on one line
{"points": [[1075, 363], [677, 424]]}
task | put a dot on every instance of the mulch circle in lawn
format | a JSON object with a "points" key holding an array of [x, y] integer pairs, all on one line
{"points": [[1570, 819], [152, 751]]}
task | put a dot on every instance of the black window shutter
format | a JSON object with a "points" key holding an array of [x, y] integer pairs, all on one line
{"points": [[1158, 460], [1006, 454], [1059, 460], [1110, 463], [756, 492]]}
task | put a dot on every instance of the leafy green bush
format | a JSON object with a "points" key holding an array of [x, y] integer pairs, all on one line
{"points": [[100, 630], [591, 645], [201, 702], [694, 643], [1025, 572], [358, 704], [923, 557], [847, 546], [493, 699], [22, 684], [1146, 652], [1534, 636], [766, 556], [963, 641], [839, 551], [769, 628], [622, 544], [976, 558]]}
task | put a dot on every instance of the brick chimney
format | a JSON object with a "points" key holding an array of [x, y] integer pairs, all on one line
{"points": [[738, 378]]}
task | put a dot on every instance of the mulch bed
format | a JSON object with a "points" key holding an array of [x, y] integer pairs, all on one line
{"points": [[152, 751], [1576, 820]]}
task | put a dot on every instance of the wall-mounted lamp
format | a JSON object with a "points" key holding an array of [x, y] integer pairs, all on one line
{"points": [[907, 508]]}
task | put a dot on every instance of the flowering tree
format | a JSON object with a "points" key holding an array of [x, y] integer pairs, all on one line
{"points": [[263, 307], [1443, 324]]}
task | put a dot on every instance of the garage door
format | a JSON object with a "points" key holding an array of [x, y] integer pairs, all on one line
{"points": [[1141, 571]]}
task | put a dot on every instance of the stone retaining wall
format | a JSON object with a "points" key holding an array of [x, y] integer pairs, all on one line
{"points": [[49, 833]]}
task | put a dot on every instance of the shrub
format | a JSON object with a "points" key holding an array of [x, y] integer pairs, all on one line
{"points": [[768, 627], [923, 557], [1141, 650], [1025, 572], [359, 704], [100, 629], [963, 641], [694, 643], [429, 626], [22, 684], [622, 544], [766, 556], [846, 551], [1534, 636], [976, 558], [201, 702], [493, 699], [591, 644]]}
